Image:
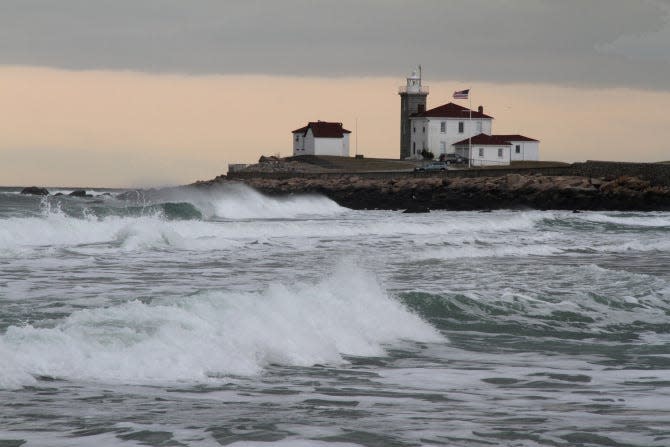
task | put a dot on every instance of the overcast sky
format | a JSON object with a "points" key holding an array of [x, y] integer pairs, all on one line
{"points": [[601, 43], [148, 92]]}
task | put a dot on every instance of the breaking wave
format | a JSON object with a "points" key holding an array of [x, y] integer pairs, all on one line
{"points": [[213, 334]]}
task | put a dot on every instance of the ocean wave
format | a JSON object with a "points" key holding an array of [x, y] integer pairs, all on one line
{"points": [[239, 201], [215, 333], [150, 228], [649, 220], [611, 304]]}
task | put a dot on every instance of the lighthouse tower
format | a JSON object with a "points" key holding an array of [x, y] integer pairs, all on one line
{"points": [[412, 100]]}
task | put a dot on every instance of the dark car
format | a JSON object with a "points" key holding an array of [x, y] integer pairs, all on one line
{"points": [[433, 166], [453, 159]]}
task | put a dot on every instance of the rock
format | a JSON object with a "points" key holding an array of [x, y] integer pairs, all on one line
{"points": [[416, 209], [596, 182], [415, 194], [79, 193], [35, 191], [514, 180]]}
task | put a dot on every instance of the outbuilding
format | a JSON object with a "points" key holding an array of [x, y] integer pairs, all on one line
{"points": [[523, 148], [485, 150], [321, 138]]}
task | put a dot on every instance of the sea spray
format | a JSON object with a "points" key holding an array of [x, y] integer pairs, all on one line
{"points": [[239, 201]]}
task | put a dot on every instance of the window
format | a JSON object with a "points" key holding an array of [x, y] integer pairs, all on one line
{"points": [[297, 138], [461, 127], [518, 148], [500, 152], [479, 127], [414, 129], [422, 108], [424, 129], [414, 147], [443, 147], [443, 126], [481, 151]]}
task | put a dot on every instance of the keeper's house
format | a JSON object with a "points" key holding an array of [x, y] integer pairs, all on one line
{"points": [[438, 129], [321, 138]]}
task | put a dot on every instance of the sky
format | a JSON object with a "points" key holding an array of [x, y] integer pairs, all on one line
{"points": [[155, 92]]}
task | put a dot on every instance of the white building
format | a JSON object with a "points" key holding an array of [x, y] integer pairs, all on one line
{"points": [[436, 130], [485, 150], [496, 150], [321, 138], [523, 148]]}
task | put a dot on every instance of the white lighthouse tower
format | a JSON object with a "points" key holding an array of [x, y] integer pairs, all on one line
{"points": [[412, 100]]}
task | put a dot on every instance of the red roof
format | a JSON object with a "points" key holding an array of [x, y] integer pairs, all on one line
{"points": [[483, 139], [323, 129], [516, 138], [451, 110]]}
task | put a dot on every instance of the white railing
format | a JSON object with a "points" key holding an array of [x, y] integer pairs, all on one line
{"points": [[405, 89]]}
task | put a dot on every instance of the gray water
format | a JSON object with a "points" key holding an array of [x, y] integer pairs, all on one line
{"points": [[229, 318]]}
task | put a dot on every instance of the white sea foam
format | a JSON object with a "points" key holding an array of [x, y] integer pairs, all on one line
{"points": [[56, 229], [238, 201], [215, 333], [652, 220]]}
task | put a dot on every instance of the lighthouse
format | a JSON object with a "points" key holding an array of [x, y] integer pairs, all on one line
{"points": [[412, 100]]}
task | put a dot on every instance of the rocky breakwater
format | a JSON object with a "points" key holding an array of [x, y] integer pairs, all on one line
{"points": [[481, 193]]}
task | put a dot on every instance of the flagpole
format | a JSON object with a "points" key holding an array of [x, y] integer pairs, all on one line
{"points": [[470, 130]]}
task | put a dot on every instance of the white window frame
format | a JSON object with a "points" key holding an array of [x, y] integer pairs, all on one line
{"points": [[481, 152], [500, 152], [443, 127]]}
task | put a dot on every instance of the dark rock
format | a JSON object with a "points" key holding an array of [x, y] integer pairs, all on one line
{"points": [[416, 209], [420, 194], [58, 194], [35, 191], [79, 193]]}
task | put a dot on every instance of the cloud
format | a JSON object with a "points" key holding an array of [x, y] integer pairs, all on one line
{"points": [[568, 43], [652, 45]]}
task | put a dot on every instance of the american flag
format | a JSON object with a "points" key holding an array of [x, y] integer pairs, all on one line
{"points": [[462, 94]]}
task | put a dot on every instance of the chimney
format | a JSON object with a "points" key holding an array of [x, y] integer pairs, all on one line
{"points": [[480, 109]]}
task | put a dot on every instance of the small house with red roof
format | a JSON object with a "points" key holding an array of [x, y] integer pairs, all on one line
{"points": [[496, 150], [523, 148], [321, 138]]}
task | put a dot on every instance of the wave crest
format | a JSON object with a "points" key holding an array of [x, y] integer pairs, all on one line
{"points": [[215, 333]]}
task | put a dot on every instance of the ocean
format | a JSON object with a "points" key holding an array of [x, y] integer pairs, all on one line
{"points": [[224, 317]]}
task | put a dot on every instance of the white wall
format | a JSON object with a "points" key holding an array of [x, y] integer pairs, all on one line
{"points": [[298, 144], [345, 145], [327, 146], [433, 135], [490, 155], [528, 150], [308, 145]]}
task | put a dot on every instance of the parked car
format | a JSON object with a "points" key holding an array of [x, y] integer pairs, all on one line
{"points": [[433, 166], [453, 159]]}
